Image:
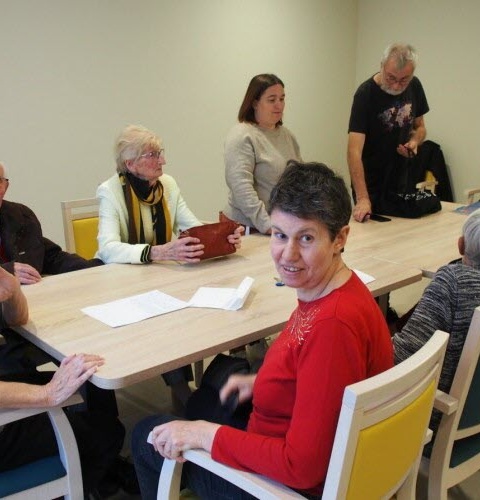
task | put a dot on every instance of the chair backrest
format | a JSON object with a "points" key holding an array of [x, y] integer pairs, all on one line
{"points": [[382, 427], [456, 451], [80, 225], [470, 193]]}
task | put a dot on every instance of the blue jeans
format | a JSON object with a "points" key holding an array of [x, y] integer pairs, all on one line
{"points": [[148, 464]]}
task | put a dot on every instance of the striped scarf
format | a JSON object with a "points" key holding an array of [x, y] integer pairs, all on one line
{"points": [[139, 193]]}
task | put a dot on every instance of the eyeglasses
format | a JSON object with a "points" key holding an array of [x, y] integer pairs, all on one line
{"points": [[4, 180], [391, 80], [153, 154]]}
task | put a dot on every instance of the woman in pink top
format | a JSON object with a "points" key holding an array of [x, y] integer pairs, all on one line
{"points": [[335, 337]]}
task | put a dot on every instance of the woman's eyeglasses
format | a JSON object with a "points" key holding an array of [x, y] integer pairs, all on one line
{"points": [[153, 154]]}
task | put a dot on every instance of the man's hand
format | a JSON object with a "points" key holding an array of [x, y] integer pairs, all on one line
{"points": [[26, 273], [408, 150], [362, 209]]}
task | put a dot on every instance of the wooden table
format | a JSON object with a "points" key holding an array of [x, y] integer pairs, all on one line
{"points": [[146, 349], [425, 243]]}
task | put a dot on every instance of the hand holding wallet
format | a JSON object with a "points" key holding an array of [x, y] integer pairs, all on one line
{"points": [[213, 237]]}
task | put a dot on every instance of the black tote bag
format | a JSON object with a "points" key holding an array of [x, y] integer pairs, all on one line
{"points": [[406, 200]]}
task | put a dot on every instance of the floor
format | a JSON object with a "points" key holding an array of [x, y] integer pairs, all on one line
{"points": [[153, 397]]}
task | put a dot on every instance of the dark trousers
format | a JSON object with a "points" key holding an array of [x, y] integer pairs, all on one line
{"points": [[148, 464]]}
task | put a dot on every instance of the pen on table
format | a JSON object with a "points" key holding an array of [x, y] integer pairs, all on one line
{"points": [[278, 281]]}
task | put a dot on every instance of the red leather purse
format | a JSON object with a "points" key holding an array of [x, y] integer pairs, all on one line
{"points": [[213, 237]]}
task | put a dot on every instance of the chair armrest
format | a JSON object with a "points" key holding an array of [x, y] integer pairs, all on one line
{"points": [[255, 484], [445, 403], [428, 437], [259, 486], [8, 415]]}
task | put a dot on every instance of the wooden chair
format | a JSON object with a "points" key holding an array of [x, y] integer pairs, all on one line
{"points": [[51, 477], [80, 225], [430, 182], [470, 194], [456, 449], [378, 444]]}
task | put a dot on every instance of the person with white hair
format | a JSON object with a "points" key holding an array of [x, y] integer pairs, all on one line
{"points": [[447, 304], [142, 208], [141, 212], [386, 127]]}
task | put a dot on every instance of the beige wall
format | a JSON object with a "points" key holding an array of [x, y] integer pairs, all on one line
{"points": [[447, 37], [73, 74]]}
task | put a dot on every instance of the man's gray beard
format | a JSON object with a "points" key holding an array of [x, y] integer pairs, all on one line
{"points": [[390, 91]]}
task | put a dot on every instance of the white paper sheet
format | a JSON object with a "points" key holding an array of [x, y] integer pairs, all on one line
{"points": [[135, 308], [230, 299], [146, 305], [366, 278]]}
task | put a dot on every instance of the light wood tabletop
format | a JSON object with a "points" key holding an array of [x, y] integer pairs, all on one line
{"points": [[425, 243], [148, 348]]}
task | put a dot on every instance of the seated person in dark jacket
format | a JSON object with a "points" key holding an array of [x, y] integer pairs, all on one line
{"points": [[27, 254], [24, 251]]}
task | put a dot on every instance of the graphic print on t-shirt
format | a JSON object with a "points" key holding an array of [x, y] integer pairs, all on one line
{"points": [[397, 116]]}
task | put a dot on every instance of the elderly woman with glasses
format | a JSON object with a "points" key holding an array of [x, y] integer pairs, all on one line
{"points": [[140, 210], [141, 207]]}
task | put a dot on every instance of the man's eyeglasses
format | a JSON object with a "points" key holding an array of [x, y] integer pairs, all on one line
{"points": [[391, 80], [153, 154], [4, 180]]}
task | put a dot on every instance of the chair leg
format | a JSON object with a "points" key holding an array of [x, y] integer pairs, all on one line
{"points": [[198, 368], [169, 483], [408, 489]]}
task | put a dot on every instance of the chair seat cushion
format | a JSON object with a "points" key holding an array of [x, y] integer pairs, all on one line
{"points": [[30, 475]]}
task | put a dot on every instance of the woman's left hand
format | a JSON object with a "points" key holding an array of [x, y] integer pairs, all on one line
{"points": [[236, 237], [173, 438]]}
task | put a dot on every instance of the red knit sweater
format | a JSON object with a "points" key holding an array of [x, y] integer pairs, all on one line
{"points": [[327, 344]]}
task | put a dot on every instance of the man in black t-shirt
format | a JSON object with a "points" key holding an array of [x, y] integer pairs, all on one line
{"points": [[386, 126]]}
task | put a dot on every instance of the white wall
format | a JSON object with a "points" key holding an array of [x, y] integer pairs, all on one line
{"points": [[447, 37], [73, 74]]}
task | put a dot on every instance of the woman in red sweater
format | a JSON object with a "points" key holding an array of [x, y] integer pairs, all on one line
{"points": [[335, 337]]}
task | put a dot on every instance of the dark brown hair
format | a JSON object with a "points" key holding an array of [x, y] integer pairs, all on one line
{"points": [[257, 86]]}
